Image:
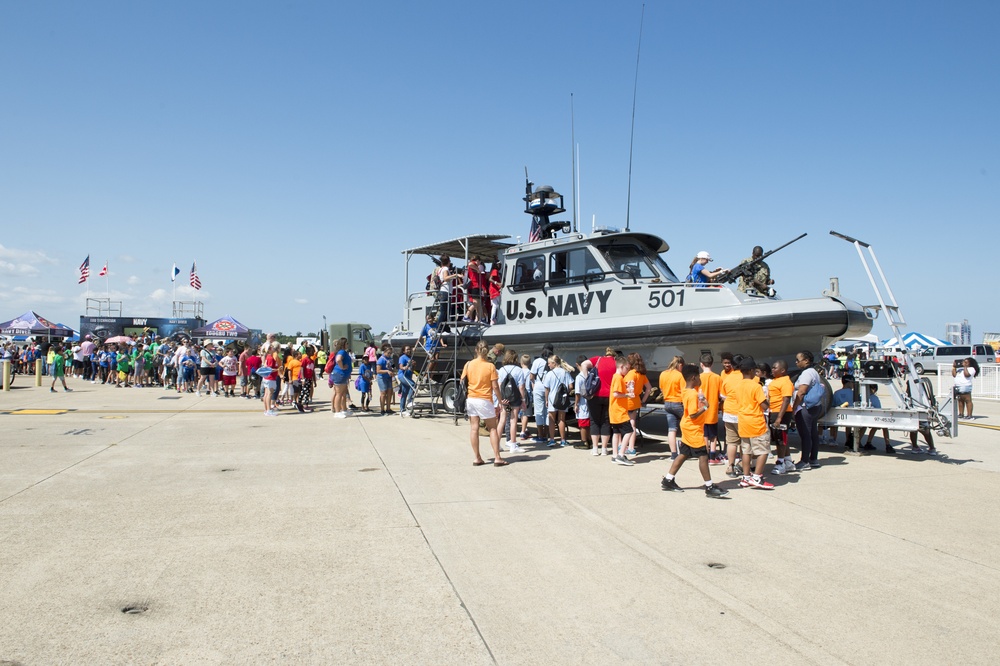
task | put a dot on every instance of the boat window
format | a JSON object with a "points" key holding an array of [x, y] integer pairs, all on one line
{"points": [[632, 261], [574, 266], [529, 273]]}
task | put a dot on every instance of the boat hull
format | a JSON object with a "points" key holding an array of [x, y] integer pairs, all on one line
{"points": [[767, 329]]}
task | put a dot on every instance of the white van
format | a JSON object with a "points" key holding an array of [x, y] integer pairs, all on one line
{"points": [[928, 359]]}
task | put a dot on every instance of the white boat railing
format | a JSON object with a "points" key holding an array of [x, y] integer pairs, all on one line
{"points": [[985, 386]]}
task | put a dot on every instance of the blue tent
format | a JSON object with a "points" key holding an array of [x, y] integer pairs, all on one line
{"points": [[226, 327], [30, 323]]}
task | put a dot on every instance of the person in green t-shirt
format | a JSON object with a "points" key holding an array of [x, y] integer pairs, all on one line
{"points": [[58, 369], [123, 368]]}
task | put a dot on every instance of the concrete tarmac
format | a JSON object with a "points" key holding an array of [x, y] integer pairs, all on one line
{"points": [[140, 526]]}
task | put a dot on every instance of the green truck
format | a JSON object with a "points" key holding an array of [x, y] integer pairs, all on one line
{"points": [[358, 336]]}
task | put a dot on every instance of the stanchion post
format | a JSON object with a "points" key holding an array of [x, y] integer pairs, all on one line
{"points": [[38, 372], [6, 374]]}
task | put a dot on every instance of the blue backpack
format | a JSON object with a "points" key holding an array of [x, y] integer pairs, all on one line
{"points": [[814, 395]]}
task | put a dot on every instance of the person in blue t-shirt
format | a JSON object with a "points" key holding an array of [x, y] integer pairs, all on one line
{"points": [[430, 337], [405, 376], [383, 370], [840, 397], [698, 273], [875, 403]]}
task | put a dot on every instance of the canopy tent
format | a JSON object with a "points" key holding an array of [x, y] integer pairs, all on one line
{"points": [[30, 323], [226, 327], [914, 340]]}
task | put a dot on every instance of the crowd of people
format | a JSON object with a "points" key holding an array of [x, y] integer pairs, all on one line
{"points": [[733, 418], [755, 403]]}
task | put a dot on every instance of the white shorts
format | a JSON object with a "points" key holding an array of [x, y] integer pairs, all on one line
{"points": [[480, 407]]}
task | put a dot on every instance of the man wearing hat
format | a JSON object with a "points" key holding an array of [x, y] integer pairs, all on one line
{"points": [[698, 273]]}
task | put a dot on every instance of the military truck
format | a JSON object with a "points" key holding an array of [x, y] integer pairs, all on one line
{"points": [[358, 336]]}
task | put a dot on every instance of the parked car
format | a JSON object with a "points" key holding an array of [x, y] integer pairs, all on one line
{"points": [[928, 359]]}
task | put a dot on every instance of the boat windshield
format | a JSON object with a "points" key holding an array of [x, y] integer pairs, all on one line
{"points": [[634, 261]]}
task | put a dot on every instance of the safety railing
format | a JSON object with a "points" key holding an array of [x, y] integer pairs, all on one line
{"points": [[985, 385]]}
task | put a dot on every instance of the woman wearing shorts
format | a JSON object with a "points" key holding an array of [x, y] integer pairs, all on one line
{"points": [[340, 375], [964, 373], [481, 376], [270, 381], [671, 385]]}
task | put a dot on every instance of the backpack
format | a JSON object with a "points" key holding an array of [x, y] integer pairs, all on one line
{"points": [[509, 391], [814, 395], [561, 400], [591, 384], [461, 396]]}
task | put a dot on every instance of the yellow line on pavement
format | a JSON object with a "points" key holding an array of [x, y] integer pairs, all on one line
{"points": [[979, 425]]}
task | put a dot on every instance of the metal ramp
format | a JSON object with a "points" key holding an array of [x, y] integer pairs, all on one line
{"points": [[918, 394]]}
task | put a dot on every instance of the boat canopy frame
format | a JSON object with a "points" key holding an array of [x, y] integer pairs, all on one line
{"points": [[485, 245]]}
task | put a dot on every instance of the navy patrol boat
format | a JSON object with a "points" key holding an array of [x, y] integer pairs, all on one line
{"points": [[586, 292]]}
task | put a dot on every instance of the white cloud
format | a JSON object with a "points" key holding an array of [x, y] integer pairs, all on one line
{"points": [[22, 263], [301, 301], [127, 258], [133, 279], [30, 297], [11, 268], [33, 256]]}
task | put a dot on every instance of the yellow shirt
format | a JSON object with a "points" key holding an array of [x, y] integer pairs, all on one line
{"points": [[749, 396], [481, 375], [692, 429], [639, 382], [729, 382], [671, 385], [617, 407], [710, 387], [779, 389]]}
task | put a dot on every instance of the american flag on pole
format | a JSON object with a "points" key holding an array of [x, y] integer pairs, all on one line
{"points": [[84, 270], [104, 271], [535, 234], [195, 282]]}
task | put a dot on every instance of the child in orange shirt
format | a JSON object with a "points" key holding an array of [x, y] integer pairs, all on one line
{"points": [[638, 382], [752, 425], [692, 435], [618, 412], [671, 386]]}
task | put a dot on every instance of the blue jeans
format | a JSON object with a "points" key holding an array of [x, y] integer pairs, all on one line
{"points": [[406, 388], [807, 423]]}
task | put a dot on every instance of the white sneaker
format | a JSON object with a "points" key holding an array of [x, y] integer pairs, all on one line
{"points": [[340, 415], [516, 449], [779, 468], [347, 413], [510, 445], [199, 394], [595, 452], [404, 413]]}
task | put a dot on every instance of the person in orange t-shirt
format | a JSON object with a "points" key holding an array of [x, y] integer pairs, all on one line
{"points": [[780, 395], [618, 412], [671, 385], [752, 426], [710, 383], [728, 383], [641, 387], [481, 376], [692, 435]]}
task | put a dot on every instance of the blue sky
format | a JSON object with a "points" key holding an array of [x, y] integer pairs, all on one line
{"points": [[294, 149]]}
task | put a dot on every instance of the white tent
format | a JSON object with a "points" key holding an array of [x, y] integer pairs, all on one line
{"points": [[914, 340]]}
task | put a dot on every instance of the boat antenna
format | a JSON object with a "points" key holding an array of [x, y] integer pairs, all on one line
{"points": [[572, 133], [631, 141]]}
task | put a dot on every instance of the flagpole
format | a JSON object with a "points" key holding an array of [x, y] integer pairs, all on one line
{"points": [[107, 281]]}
